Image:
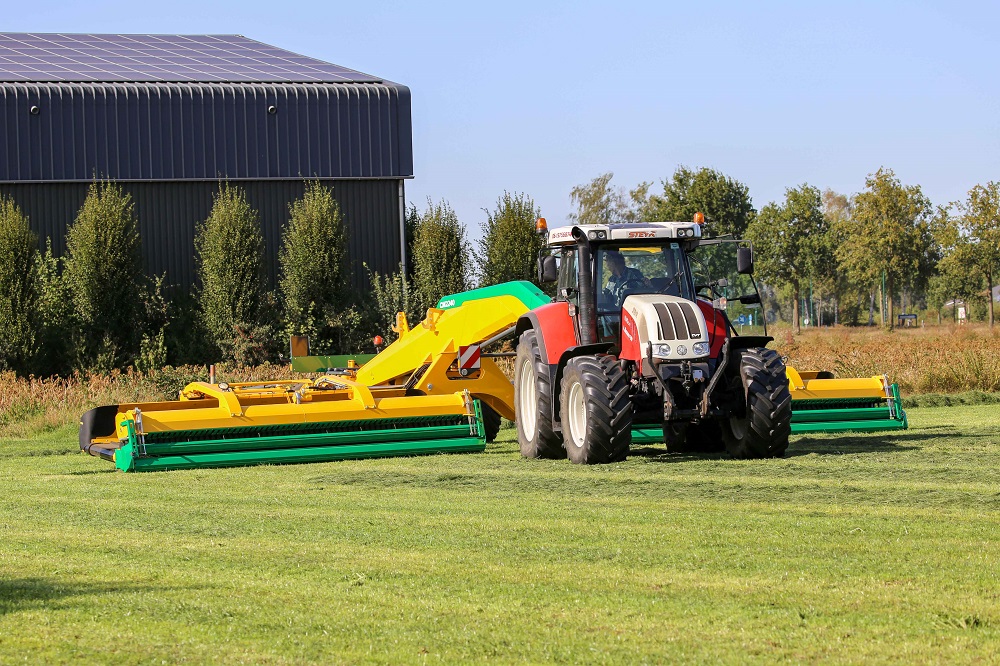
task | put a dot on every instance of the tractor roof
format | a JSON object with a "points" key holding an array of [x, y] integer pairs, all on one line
{"points": [[626, 232]]}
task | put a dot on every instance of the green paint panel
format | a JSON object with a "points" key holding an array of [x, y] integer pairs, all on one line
{"points": [[524, 291], [306, 454], [647, 435], [818, 415], [313, 439], [849, 426]]}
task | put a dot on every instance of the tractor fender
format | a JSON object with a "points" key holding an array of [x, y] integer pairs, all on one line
{"points": [[554, 327], [717, 329]]}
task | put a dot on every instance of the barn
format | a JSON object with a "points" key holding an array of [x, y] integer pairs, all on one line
{"points": [[170, 116]]}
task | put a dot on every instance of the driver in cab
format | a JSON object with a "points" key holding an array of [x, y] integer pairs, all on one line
{"points": [[622, 278]]}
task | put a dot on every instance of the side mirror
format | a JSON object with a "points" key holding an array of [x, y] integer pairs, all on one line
{"points": [[744, 261], [750, 299], [547, 269]]}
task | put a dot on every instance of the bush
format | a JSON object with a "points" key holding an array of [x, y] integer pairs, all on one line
{"points": [[392, 294], [105, 281], [440, 257], [232, 299], [18, 289], [509, 247], [315, 272]]}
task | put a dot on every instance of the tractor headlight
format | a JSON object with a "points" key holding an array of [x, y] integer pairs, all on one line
{"points": [[592, 235], [700, 349], [682, 349], [662, 350]]}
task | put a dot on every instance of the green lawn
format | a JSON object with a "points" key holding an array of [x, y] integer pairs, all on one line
{"points": [[876, 548]]}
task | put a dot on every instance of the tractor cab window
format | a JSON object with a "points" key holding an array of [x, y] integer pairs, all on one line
{"points": [[624, 270], [567, 287], [713, 267]]}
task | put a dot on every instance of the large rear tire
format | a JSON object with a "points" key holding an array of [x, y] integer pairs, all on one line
{"points": [[595, 410], [533, 402], [763, 430]]}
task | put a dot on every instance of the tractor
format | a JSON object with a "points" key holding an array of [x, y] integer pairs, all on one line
{"points": [[637, 345]]}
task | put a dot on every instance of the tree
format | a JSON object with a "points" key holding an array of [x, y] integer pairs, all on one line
{"points": [[509, 247], [230, 266], [315, 270], [789, 242], [724, 201], [981, 224], [18, 288], [105, 280], [597, 202], [889, 236], [440, 256]]}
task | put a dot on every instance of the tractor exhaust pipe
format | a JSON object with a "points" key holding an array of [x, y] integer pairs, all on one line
{"points": [[588, 305]]}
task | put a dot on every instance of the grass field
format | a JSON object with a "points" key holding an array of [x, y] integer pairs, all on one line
{"points": [[873, 548]]}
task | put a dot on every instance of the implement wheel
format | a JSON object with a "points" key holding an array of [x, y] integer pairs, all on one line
{"points": [[762, 430], [533, 402], [491, 421], [595, 410]]}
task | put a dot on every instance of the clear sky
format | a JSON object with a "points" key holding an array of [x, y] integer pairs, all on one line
{"points": [[538, 97]]}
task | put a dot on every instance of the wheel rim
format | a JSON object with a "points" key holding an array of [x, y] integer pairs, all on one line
{"points": [[528, 403], [577, 417]]}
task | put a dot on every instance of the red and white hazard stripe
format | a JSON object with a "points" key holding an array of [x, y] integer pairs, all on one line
{"points": [[468, 357]]}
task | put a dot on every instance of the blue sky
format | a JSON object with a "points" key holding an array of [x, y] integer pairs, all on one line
{"points": [[538, 97]]}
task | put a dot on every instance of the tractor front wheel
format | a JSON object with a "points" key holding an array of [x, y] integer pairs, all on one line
{"points": [[533, 402], [595, 410], [762, 430]]}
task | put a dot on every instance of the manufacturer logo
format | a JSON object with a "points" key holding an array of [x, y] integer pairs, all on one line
{"points": [[642, 234], [450, 303]]}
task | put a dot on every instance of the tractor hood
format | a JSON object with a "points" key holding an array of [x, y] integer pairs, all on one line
{"points": [[674, 326]]}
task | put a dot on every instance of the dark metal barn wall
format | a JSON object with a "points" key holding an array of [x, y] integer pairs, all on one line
{"points": [[168, 213], [193, 131]]}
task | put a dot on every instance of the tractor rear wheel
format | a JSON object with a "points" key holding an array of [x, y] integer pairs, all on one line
{"points": [[595, 410], [533, 402], [762, 430]]}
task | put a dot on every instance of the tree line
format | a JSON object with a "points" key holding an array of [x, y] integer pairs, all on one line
{"points": [[95, 309], [831, 258], [821, 257]]}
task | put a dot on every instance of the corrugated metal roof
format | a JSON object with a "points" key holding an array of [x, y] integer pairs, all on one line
{"points": [[38, 57], [190, 131]]}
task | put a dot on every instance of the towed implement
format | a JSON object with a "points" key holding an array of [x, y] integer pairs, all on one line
{"points": [[654, 335], [413, 398], [822, 403]]}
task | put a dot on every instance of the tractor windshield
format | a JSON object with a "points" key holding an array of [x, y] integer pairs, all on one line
{"points": [[623, 270]]}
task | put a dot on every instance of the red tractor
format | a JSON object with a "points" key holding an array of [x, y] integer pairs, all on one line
{"points": [[638, 346]]}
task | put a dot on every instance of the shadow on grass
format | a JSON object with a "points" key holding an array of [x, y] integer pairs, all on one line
{"points": [[841, 446], [19, 594]]}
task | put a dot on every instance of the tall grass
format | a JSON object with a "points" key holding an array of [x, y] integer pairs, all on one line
{"points": [[923, 361], [40, 405], [943, 359]]}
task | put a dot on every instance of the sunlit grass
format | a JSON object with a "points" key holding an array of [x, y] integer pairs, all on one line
{"points": [[852, 548]]}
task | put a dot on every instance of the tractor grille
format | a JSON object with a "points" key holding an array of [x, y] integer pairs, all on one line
{"points": [[677, 321]]}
